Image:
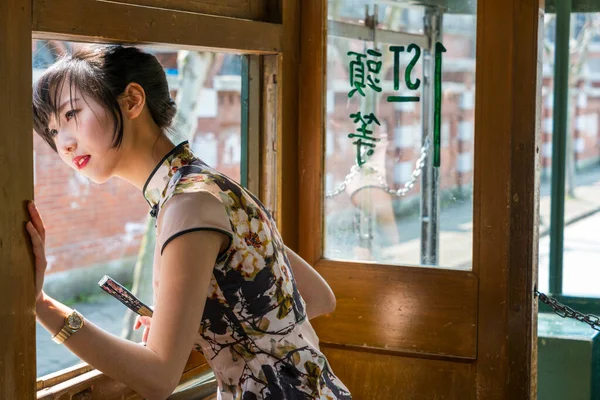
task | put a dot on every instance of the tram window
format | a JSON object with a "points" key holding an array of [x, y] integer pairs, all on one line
{"points": [[93, 230], [386, 201], [581, 244]]}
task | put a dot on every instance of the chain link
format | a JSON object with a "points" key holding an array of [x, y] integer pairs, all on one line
{"points": [[381, 179], [567, 312]]}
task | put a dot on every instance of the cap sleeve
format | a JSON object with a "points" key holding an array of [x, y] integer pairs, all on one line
{"points": [[190, 212]]}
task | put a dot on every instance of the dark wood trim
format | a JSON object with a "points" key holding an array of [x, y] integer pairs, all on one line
{"points": [[17, 286], [395, 269], [256, 10], [86, 20], [399, 353], [287, 140], [506, 156], [272, 11], [311, 123]]}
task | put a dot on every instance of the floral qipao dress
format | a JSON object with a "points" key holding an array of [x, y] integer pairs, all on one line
{"points": [[254, 331]]}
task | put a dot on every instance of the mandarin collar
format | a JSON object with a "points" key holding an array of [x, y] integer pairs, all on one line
{"points": [[159, 179]]}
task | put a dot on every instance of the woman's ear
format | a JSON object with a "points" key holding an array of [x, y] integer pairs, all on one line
{"points": [[133, 100]]}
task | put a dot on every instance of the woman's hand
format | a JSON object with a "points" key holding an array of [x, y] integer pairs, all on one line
{"points": [[145, 321], [37, 232]]}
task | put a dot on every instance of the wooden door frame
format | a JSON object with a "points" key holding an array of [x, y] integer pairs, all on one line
{"points": [[269, 27], [17, 289], [506, 188], [507, 171]]}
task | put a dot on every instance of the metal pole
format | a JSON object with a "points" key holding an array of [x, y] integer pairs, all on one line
{"points": [[366, 217], [430, 176], [559, 141]]}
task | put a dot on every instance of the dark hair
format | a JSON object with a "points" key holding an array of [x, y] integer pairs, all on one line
{"points": [[103, 73]]}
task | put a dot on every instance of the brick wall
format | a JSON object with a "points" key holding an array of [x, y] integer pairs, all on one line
{"points": [[86, 223]]}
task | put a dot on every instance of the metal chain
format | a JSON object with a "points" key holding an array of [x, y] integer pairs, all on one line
{"points": [[381, 179], [567, 312], [345, 182], [415, 174]]}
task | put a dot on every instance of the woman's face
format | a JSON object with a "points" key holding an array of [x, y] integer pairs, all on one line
{"points": [[86, 143]]}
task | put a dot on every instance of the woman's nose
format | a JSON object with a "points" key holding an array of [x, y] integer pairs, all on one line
{"points": [[68, 145]]}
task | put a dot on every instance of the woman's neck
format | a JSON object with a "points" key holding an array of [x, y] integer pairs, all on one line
{"points": [[140, 159]]}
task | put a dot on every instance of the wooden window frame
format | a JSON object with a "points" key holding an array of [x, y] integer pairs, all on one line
{"points": [[80, 21], [166, 23], [503, 259]]}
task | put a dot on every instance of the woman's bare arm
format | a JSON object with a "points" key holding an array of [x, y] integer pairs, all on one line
{"points": [[315, 291], [154, 370]]}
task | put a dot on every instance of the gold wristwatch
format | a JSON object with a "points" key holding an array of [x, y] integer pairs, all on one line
{"points": [[73, 323]]}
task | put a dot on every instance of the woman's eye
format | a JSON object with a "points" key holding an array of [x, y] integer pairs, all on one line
{"points": [[70, 114], [53, 132]]}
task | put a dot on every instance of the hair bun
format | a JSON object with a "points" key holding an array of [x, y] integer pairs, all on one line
{"points": [[167, 114]]}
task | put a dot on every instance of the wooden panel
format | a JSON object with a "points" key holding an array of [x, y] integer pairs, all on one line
{"points": [[256, 10], [311, 123], [287, 140], [506, 155], [86, 20], [412, 310], [248, 9], [17, 309], [383, 376]]}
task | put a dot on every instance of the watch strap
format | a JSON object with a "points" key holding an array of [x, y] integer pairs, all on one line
{"points": [[62, 335], [66, 331]]}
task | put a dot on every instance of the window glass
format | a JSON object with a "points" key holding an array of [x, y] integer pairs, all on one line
{"points": [[93, 230], [582, 183], [399, 164]]}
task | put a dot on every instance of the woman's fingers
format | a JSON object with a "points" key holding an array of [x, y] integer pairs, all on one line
{"points": [[143, 321], [139, 321], [145, 335], [37, 221], [36, 241]]}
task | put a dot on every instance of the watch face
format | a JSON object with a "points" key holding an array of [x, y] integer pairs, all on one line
{"points": [[74, 321]]}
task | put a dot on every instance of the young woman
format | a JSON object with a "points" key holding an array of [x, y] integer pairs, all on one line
{"points": [[225, 284]]}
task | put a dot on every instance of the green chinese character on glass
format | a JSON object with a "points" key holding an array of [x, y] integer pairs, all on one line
{"points": [[358, 75], [396, 50], [366, 138]]}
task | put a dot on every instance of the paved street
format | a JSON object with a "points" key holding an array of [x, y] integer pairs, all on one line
{"points": [[581, 260]]}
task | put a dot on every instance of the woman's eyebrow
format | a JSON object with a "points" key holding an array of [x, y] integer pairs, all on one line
{"points": [[67, 102]]}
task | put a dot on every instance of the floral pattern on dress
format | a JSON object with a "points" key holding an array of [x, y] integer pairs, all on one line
{"points": [[254, 331]]}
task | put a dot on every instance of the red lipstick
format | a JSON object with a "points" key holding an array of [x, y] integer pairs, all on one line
{"points": [[81, 161]]}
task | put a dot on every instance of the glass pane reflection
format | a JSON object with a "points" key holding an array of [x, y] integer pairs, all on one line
{"points": [[397, 207]]}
